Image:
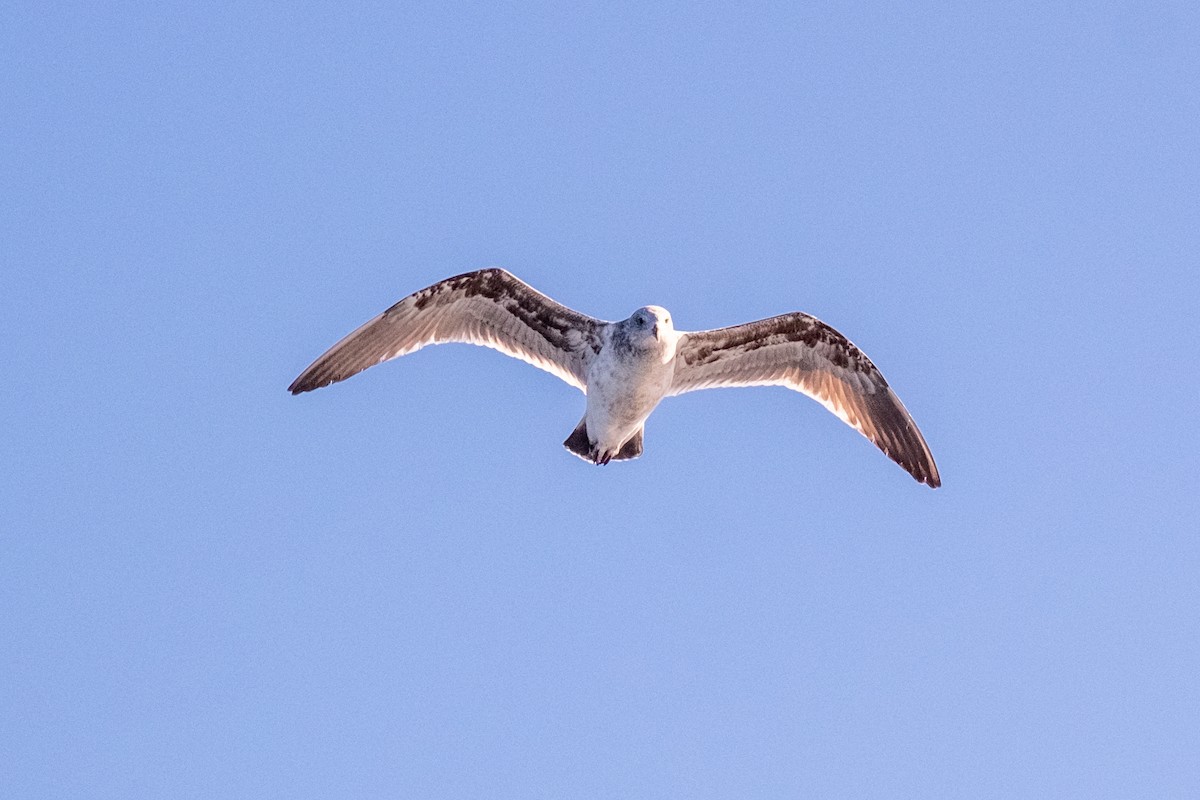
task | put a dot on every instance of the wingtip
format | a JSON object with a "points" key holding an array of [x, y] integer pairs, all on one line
{"points": [[313, 378], [927, 473], [922, 471], [300, 386]]}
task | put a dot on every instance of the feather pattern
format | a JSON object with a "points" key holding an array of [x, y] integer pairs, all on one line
{"points": [[489, 307], [802, 353]]}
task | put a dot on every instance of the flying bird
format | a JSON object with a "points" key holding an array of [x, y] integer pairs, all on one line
{"points": [[626, 368]]}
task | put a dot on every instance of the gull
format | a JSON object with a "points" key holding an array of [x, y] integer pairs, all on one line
{"points": [[626, 368]]}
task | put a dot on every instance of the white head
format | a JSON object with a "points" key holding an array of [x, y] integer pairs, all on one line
{"points": [[653, 321], [650, 327]]}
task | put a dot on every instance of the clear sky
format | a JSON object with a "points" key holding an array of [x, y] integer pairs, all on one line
{"points": [[403, 586]]}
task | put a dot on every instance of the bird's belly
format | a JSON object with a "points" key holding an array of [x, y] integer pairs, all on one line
{"points": [[618, 405]]}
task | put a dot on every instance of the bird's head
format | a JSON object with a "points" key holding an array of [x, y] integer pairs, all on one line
{"points": [[653, 321], [651, 326]]}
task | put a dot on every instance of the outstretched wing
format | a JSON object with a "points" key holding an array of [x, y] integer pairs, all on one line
{"points": [[802, 353], [490, 307]]}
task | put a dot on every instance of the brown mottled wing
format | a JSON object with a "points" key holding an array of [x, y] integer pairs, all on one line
{"points": [[490, 307], [803, 353]]}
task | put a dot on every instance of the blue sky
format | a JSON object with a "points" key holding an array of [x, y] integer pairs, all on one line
{"points": [[403, 585]]}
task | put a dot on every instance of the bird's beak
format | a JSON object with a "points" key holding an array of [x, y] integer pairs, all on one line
{"points": [[656, 331]]}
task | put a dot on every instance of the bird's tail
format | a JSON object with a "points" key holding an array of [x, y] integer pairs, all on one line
{"points": [[579, 444]]}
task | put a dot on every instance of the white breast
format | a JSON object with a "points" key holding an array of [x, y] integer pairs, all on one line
{"points": [[623, 388]]}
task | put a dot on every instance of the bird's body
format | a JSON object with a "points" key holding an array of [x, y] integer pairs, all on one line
{"points": [[626, 368], [626, 381]]}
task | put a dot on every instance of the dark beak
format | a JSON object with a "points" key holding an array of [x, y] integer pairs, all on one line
{"points": [[655, 330]]}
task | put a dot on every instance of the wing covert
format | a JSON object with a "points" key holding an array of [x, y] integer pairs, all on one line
{"points": [[489, 307], [802, 353]]}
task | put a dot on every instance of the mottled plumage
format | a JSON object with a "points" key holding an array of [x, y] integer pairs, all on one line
{"points": [[626, 368]]}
